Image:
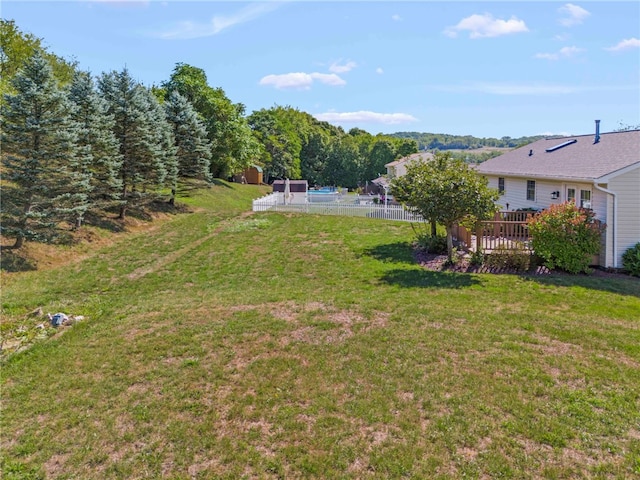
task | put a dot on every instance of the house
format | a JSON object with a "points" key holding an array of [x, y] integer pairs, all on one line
{"points": [[291, 191], [398, 167], [598, 171]]}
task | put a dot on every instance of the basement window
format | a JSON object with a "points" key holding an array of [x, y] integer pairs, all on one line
{"points": [[531, 190]]}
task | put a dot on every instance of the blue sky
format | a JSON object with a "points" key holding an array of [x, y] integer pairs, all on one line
{"points": [[487, 69]]}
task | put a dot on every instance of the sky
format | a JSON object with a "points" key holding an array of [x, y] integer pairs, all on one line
{"points": [[486, 69]]}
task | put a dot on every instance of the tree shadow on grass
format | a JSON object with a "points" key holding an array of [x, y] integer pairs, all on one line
{"points": [[413, 278], [11, 260], [402, 252], [220, 183], [399, 252]]}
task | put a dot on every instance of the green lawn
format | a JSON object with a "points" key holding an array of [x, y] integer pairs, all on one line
{"points": [[227, 345]]}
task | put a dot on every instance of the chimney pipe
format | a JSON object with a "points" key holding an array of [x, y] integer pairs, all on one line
{"points": [[597, 139]]}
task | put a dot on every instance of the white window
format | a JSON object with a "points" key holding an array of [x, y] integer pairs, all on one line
{"points": [[571, 195], [531, 190], [585, 198]]}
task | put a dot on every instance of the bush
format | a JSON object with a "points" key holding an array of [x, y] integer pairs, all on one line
{"points": [[518, 258], [436, 245], [631, 260], [565, 237]]}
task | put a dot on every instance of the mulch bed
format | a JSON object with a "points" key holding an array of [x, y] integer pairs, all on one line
{"points": [[438, 263]]}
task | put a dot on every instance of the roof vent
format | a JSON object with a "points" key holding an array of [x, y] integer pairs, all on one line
{"points": [[597, 138], [557, 147], [530, 152]]}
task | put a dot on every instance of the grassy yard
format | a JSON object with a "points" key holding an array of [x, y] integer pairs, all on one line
{"points": [[225, 345]]}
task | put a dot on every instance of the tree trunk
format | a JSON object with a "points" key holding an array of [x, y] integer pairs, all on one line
{"points": [[434, 230], [19, 241], [123, 207], [449, 244]]}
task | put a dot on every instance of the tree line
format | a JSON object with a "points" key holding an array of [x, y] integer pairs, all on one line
{"points": [[442, 141], [78, 145]]}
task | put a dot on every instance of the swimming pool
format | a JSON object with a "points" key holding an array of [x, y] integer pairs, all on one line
{"points": [[324, 194]]}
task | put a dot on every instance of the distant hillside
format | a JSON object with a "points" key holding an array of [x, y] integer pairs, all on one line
{"points": [[443, 141]]}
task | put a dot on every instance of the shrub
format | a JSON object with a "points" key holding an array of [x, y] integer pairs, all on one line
{"points": [[477, 258], [565, 237], [436, 245], [518, 258], [631, 260]]}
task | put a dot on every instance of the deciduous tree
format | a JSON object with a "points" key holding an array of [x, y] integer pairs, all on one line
{"points": [[445, 191]]}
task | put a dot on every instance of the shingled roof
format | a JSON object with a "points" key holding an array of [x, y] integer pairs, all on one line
{"points": [[420, 156], [573, 158]]}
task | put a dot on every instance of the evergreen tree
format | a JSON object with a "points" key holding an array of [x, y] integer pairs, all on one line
{"points": [[98, 149], [39, 147], [141, 135], [193, 150], [163, 133]]}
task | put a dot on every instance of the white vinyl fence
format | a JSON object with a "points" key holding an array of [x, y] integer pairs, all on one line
{"points": [[387, 212]]}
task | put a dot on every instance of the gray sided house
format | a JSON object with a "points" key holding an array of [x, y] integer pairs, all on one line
{"points": [[600, 171]]}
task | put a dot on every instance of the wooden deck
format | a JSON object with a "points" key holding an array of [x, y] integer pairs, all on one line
{"points": [[507, 230]]}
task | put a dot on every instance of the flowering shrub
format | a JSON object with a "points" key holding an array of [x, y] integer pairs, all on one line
{"points": [[565, 237], [631, 260]]}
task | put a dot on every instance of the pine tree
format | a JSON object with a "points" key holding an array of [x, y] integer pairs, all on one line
{"points": [[39, 148], [99, 157], [193, 150], [163, 132], [139, 130]]}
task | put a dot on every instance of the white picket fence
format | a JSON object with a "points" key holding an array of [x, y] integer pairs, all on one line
{"points": [[272, 202]]}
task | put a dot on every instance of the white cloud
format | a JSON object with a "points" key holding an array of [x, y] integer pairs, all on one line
{"points": [[626, 44], [379, 71], [485, 26], [573, 15], [328, 79], [366, 116], [396, 17], [301, 80], [337, 68], [564, 52], [219, 23]]}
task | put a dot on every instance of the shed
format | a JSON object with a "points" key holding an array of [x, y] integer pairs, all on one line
{"points": [[253, 175], [297, 190]]}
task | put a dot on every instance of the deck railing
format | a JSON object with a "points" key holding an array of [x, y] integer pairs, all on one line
{"points": [[507, 230]]}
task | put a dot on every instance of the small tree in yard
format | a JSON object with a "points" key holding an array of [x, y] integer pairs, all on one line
{"points": [[565, 236], [447, 192]]}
